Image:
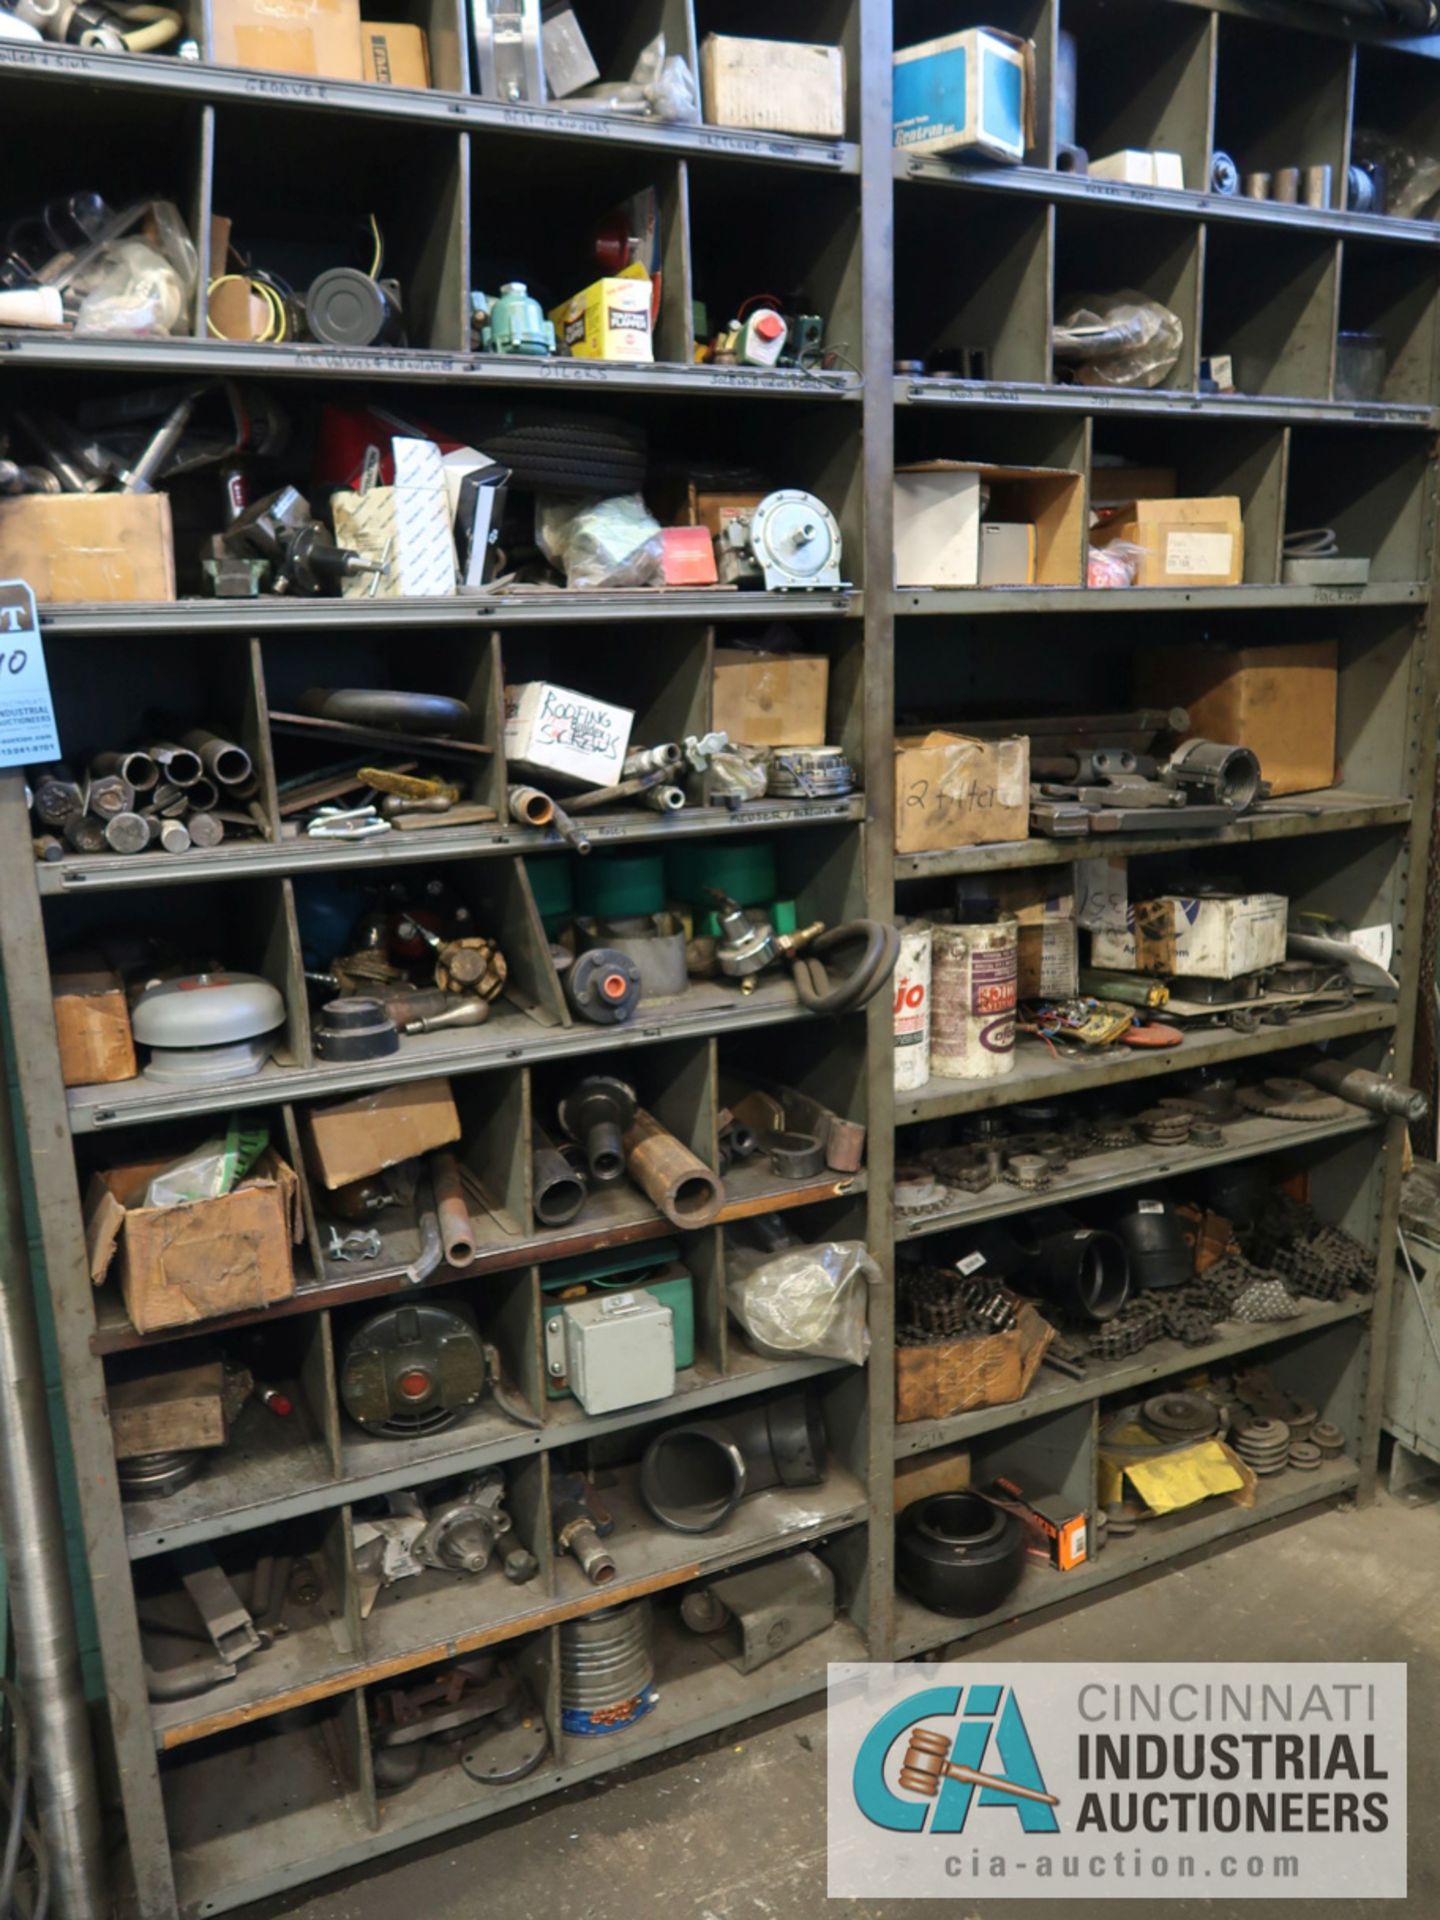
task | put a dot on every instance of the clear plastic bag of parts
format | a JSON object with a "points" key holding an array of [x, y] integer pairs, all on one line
{"points": [[211, 1170], [138, 278], [1119, 339], [659, 88], [738, 773], [1117, 565], [805, 1300], [1412, 173], [601, 543]]}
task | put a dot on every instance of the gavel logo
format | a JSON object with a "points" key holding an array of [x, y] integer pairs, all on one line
{"points": [[926, 1766]]}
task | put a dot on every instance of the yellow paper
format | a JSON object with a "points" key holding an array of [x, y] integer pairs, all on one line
{"points": [[1181, 1479]]}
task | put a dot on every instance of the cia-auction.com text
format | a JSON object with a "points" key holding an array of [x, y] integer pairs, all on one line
{"points": [[1123, 1866]]}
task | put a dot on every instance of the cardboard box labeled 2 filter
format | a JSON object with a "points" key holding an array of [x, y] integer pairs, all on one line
{"points": [[319, 37], [951, 791], [89, 546], [550, 729], [1184, 543], [971, 91], [1218, 938], [1278, 701], [774, 86]]}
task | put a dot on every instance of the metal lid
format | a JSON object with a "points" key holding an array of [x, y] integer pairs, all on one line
{"points": [[206, 1010], [346, 308]]}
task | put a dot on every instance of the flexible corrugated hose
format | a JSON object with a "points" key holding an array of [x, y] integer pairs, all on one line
{"points": [[862, 983]]}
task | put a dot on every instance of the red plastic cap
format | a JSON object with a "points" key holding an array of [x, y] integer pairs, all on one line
{"points": [[769, 325], [415, 1383], [614, 986], [281, 1404]]}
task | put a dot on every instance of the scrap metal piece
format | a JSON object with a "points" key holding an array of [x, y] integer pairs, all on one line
{"points": [[1285, 1098], [765, 1611], [225, 1616]]}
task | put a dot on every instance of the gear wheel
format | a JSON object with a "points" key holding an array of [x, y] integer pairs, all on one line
{"points": [[1285, 1099]]}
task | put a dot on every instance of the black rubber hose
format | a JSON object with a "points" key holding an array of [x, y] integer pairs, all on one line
{"points": [[862, 983]]}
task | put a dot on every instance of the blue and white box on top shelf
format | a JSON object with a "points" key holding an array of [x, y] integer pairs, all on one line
{"points": [[965, 91]]}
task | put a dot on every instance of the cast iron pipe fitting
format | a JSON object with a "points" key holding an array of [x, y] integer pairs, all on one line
{"points": [[597, 1115], [1083, 1269], [694, 1476]]}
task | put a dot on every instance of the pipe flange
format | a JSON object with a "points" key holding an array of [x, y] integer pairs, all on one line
{"points": [[794, 1156]]}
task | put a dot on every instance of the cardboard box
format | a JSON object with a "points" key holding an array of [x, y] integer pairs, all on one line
{"points": [[774, 86], [946, 1470], [1044, 904], [952, 791], [407, 525], [92, 1022], [89, 546], [177, 1265], [608, 320], [1218, 938], [771, 699], [319, 37], [550, 729], [1186, 543], [394, 54], [1278, 701], [1007, 554], [971, 91], [1141, 168], [569, 63], [182, 1407], [713, 510], [1057, 1534], [376, 1130], [988, 1370], [938, 513]]}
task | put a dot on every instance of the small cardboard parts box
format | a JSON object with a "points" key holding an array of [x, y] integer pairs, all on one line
{"points": [[1278, 701], [987, 1370], [355, 1138], [319, 37], [938, 520], [92, 1022], [1218, 938], [550, 729], [394, 54], [771, 699], [89, 546], [970, 91], [1048, 962], [181, 1264], [952, 791], [1184, 543], [608, 320], [182, 1407], [773, 86]]}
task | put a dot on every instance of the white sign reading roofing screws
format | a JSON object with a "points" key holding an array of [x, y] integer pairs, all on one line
{"points": [[27, 713], [1116, 1781]]}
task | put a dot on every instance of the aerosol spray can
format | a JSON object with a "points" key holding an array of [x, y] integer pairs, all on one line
{"points": [[912, 1007], [972, 994]]}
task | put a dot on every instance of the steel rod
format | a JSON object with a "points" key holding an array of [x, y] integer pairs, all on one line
{"points": [[47, 1648]]}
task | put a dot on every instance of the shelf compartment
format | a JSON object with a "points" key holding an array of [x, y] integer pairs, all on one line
{"points": [[1377, 500], [1394, 105], [918, 1631], [1209, 456], [1100, 250], [1096, 1173], [651, 1560], [1282, 99], [1335, 811], [556, 258], [165, 153], [1167, 108], [285, 217], [987, 287], [1036, 1076], [1270, 303], [1161, 1360], [1396, 295]]}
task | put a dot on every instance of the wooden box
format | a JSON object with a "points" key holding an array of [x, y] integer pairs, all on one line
{"points": [[181, 1408]]}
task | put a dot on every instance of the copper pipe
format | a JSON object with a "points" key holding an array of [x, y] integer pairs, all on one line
{"points": [[681, 1186], [457, 1232]]}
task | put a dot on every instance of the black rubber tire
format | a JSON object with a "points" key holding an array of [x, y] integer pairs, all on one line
{"points": [[959, 1554], [576, 455]]}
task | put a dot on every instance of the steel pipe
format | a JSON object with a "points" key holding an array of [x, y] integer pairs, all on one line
{"points": [[47, 1650]]}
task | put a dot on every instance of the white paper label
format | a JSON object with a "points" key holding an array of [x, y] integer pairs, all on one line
{"points": [[1101, 895], [27, 713], [972, 1263], [1190, 552], [1376, 943], [1150, 1206]]}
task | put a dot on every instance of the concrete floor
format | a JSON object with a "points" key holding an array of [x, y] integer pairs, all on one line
{"points": [[734, 1829]]}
